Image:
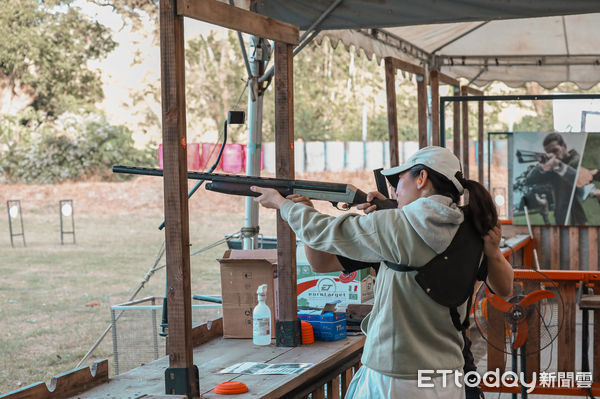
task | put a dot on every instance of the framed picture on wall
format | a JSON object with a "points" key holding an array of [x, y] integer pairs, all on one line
{"points": [[556, 178]]}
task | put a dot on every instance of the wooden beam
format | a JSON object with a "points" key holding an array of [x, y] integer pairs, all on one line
{"points": [[205, 332], [177, 241], [456, 123], [218, 13], [66, 384], [473, 91], [465, 133], [390, 91], [445, 79], [288, 331], [407, 67], [435, 107], [480, 140], [422, 110]]}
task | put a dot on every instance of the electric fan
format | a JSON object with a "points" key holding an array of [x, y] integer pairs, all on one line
{"points": [[529, 305]]}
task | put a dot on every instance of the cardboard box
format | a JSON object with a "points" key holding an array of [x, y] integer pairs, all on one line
{"points": [[242, 271], [316, 289], [327, 326]]}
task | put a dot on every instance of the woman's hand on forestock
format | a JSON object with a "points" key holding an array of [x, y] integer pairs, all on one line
{"points": [[302, 199], [491, 241], [367, 207], [269, 198]]}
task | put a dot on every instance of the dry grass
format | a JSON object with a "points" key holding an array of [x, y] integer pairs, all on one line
{"points": [[44, 288]]}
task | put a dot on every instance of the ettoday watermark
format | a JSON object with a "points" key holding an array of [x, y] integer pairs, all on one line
{"points": [[507, 379]]}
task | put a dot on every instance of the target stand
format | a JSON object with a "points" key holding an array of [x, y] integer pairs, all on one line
{"points": [[65, 211], [14, 212]]}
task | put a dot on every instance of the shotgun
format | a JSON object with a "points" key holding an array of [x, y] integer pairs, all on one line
{"points": [[526, 156], [335, 193]]}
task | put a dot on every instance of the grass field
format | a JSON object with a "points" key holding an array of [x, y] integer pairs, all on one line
{"points": [[44, 288]]}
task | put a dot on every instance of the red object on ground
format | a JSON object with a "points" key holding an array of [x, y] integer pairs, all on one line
{"points": [[231, 388]]}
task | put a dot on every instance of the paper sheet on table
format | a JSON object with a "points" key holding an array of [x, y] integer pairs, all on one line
{"points": [[255, 368]]}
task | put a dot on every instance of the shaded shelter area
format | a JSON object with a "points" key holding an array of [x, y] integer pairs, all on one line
{"points": [[433, 52], [548, 42]]}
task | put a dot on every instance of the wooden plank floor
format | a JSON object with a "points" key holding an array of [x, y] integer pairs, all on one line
{"points": [[219, 353]]}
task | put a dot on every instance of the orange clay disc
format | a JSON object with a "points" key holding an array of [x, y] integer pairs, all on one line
{"points": [[231, 388]]}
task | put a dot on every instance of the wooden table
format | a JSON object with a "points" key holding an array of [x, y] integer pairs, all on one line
{"points": [[329, 358]]}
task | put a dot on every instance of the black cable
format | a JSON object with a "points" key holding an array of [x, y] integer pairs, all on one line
{"points": [[214, 165]]}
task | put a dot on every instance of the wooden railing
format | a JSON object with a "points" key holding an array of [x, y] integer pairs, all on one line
{"points": [[333, 385]]}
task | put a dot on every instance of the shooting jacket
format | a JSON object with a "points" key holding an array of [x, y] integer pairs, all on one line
{"points": [[407, 330]]}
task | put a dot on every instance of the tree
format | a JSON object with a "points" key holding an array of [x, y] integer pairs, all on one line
{"points": [[215, 77], [44, 52]]}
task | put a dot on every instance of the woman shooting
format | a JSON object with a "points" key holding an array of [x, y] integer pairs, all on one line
{"points": [[429, 251]]}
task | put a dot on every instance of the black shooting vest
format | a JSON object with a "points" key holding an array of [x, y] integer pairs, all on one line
{"points": [[449, 278]]}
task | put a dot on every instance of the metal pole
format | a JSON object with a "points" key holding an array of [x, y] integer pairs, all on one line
{"points": [[259, 53], [442, 123], [364, 135], [60, 215], [10, 228]]}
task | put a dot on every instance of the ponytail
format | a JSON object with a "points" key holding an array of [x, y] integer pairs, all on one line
{"points": [[479, 208]]}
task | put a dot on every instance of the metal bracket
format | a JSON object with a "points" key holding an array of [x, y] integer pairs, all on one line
{"points": [[288, 333], [250, 231], [177, 380]]}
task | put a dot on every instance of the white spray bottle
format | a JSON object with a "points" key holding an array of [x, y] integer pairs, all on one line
{"points": [[261, 319]]}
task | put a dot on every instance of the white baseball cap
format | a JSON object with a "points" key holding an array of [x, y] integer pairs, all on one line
{"points": [[440, 159]]}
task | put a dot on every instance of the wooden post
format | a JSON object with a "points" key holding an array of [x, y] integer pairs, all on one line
{"points": [[593, 249], [574, 264], [288, 325], [554, 248], [465, 133], [390, 91], [182, 376], [456, 123], [566, 319], [532, 345], [422, 110], [495, 339], [435, 108], [480, 140], [596, 339]]}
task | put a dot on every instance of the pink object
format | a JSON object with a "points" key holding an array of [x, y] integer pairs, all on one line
{"points": [[210, 151], [234, 158], [193, 156], [160, 156]]}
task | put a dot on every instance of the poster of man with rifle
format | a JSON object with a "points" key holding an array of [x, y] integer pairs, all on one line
{"points": [[556, 178]]}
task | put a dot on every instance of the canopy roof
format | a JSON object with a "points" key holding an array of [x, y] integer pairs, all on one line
{"points": [[480, 40]]}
